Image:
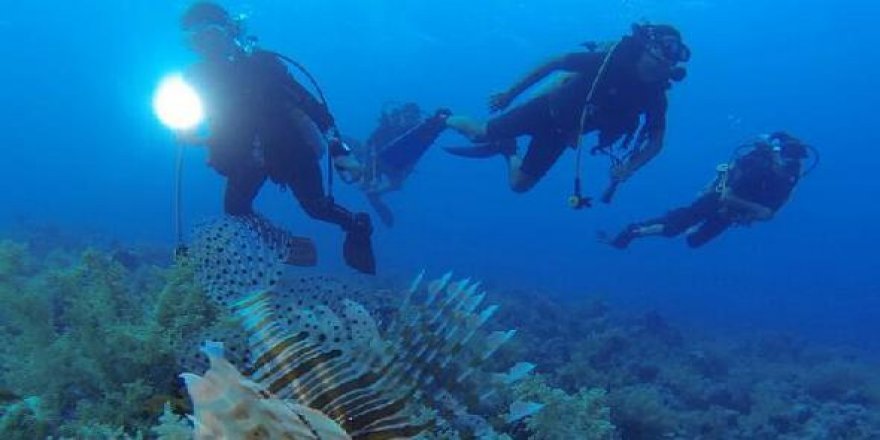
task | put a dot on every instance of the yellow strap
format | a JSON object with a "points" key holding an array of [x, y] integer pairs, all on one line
{"points": [[723, 170]]}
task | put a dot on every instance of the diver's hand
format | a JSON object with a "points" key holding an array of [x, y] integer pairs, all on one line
{"points": [[743, 210], [348, 167], [500, 101], [621, 172]]}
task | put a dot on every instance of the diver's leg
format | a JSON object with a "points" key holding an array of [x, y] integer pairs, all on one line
{"points": [[381, 208], [243, 183], [307, 186], [544, 150], [712, 228], [672, 224], [518, 180], [468, 127], [533, 116], [294, 158]]}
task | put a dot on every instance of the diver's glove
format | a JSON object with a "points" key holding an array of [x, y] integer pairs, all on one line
{"points": [[344, 162], [440, 116], [621, 172], [442, 113], [349, 168]]}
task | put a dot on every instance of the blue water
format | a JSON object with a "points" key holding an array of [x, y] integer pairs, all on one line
{"points": [[83, 150]]}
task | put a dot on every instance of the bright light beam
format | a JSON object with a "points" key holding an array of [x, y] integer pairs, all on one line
{"points": [[177, 104]]}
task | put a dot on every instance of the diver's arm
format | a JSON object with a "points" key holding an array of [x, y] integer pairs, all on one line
{"points": [[750, 171], [650, 141], [317, 111], [500, 101], [346, 164], [381, 187], [758, 211], [650, 148], [535, 76], [275, 70]]}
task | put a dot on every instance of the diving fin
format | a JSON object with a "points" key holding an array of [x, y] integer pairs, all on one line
{"points": [[301, 251], [382, 210], [357, 250], [484, 149]]}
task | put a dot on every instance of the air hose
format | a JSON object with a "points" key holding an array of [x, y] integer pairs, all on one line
{"points": [[577, 200], [179, 248], [334, 130]]}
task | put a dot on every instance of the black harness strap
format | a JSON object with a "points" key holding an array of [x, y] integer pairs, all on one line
{"points": [[334, 130]]}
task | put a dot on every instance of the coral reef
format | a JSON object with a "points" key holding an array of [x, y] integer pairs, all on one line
{"points": [[92, 342], [661, 384], [321, 348], [566, 416], [24, 420], [172, 426]]}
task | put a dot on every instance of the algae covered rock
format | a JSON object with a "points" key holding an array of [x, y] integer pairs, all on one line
{"points": [[25, 419], [583, 415], [95, 341]]}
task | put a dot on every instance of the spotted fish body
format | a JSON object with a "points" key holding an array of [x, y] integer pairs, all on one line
{"points": [[317, 344]]}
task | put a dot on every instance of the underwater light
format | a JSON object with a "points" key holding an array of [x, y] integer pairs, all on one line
{"points": [[177, 104]]}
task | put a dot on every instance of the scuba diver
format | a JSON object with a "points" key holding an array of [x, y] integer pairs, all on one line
{"points": [[751, 187], [263, 124], [606, 90], [390, 153]]}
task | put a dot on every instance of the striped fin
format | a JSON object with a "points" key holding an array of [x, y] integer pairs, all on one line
{"points": [[368, 394], [437, 286], [439, 335], [333, 360]]}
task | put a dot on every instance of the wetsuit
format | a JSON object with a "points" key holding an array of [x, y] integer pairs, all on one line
{"points": [[398, 143], [398, 157], [756, 177], [553, 119], [264, 124]]}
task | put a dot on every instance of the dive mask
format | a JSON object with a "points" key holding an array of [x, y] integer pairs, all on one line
{"points": [[206, 21], [673, 49], [786, 146], [663, 41]]}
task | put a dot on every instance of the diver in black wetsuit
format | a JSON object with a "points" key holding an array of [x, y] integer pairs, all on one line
{"points": [[390, 154], [264, 125], [606, 90], [751, 188]]}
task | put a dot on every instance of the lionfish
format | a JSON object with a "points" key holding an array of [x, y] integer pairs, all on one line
{"points": [[318, 346]]}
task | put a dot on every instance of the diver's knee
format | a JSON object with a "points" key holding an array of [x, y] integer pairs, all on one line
{"points": [[695, 241], [326, 209], [467, 126], [316, 208], [522, 183]]}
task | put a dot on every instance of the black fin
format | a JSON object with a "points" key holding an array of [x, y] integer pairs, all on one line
{"points": [[382, 210], [357, 250], [475, 151]]}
